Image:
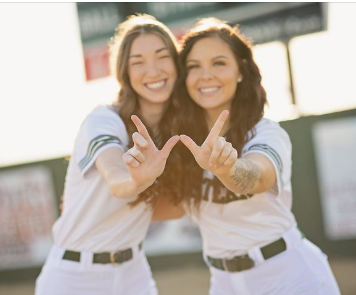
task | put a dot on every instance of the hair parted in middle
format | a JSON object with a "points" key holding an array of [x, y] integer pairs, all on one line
{"points": [[127, 99], [120, 45], [247, 106]]}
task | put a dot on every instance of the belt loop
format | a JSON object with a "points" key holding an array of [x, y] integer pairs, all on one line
{"points": [[292, 237], [225, 265], [112, 257], [86, 260], [56, 254], [256, 255]]}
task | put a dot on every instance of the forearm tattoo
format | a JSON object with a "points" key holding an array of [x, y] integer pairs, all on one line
{"points": [[246, 174]]}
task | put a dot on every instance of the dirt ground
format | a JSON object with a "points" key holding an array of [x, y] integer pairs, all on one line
{"points": [[193, 278]]}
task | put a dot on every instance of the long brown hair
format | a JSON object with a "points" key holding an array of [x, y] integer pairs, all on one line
{"points": [[127, 99], [247, 106]]}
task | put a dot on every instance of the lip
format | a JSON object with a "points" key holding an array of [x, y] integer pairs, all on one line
{"points": [[160, 84]]}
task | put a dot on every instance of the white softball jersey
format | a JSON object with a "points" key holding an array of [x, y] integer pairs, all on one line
{"points": [[230, 223], [93, 219]]}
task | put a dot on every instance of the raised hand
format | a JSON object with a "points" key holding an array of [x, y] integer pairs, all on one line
{"points": [[215, 154], [144, 161]]}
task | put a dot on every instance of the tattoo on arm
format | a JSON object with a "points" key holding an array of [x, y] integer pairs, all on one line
{"points": [[246, 174]]}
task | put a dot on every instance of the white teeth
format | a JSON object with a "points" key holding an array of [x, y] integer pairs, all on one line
{"points": [[155, 85], [208, 90]]}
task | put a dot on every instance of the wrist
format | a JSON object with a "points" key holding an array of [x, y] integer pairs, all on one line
{"points": [[139, 186], [224, 171]]}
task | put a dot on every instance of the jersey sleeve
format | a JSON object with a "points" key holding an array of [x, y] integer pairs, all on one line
{"points": [[273, 141], [102, 129]]}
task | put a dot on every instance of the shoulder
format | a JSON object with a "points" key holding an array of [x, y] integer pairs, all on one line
{"points": [[266, 123], [268, 132], [104, 114], [270, 127], [101, 122], [104, 111]]}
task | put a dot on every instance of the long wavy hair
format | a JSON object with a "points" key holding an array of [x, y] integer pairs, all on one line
{"points": [[247, 106], [127, 102]]}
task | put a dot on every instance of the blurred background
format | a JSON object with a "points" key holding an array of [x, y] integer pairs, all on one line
{"points": [[53, 71]]}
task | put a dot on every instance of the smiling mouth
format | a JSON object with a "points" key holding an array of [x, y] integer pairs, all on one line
{"points": [[156, 85], [208, 90]]}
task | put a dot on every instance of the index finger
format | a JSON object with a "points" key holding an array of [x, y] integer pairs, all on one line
{"points": [[218, 126], [141, 127]]}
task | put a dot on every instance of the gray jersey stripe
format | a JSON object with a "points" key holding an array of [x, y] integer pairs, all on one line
{"points": [[274, 155], [95, 145], [272, 152]]}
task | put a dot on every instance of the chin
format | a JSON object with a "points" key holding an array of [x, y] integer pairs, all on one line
{"points": [[207, 105], [161, 99]]}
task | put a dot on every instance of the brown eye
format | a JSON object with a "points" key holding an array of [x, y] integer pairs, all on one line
{"points": [[191, 67], [136, 63], [219, 63]]}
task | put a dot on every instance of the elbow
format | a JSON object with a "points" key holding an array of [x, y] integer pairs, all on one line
{"points": [[114, 191], [253, 188], [117, 193]]}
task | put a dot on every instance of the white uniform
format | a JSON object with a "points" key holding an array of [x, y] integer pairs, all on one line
{"points": [[93, 221], [236, 225]]}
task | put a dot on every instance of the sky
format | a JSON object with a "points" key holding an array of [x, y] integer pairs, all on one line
{"points": [[44, 95]]}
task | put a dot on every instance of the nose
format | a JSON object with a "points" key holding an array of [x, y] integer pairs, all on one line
{"points": [[206, 74], [153, 69]]}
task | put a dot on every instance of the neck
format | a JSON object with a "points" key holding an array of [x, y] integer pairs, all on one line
{"points": [[152, 114], [212, 115]]}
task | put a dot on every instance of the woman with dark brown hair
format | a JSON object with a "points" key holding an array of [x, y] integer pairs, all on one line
{"points": [[108, 198], [237, 177]]}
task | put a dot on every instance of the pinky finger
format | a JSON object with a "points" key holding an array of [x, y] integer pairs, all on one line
{"points": [[131, 161], [231, 159]]}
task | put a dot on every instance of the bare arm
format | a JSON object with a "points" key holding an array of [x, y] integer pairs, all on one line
{"points": [[253, 173], [116, 175], [128, 174]]}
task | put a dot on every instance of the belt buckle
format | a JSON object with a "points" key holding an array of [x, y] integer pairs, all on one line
{"points": [[112, 257]]}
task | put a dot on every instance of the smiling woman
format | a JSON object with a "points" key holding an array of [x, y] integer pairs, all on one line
{"points": [[152, 70], [237, 171], [213, 74], [147, 72], [106, 195]]}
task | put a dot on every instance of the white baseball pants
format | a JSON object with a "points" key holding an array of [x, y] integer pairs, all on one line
{"points": [[302, 269], [65, 277]]}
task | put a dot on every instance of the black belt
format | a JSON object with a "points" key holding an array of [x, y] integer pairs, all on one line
{"points": [[240, 263], [104, 257]]}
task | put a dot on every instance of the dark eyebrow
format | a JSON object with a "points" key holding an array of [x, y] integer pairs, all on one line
{"points": [[219, 56], [157, 51], [161, 49], [135, 55], [215, 57]]}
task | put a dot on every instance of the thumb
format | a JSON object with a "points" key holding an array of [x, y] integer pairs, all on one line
{"points": [[166, 150], [190, 144]]}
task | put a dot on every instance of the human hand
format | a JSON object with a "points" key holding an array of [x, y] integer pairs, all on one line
{"points": [[144, 161], [215, 154]]}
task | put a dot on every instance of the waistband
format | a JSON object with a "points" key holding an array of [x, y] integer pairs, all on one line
{"points": [[257, 255], [86, 258]]}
